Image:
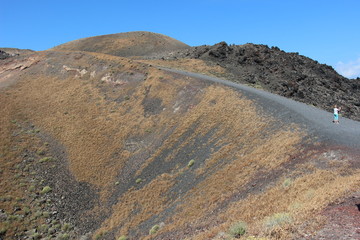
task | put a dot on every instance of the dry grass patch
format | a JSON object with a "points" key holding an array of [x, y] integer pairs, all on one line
{"points": [[137, 206], [192, 65], [279, 210]]}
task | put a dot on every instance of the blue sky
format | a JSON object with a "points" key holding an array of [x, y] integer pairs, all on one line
{"points": [[325, 30]]}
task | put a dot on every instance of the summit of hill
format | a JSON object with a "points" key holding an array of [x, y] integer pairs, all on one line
{"points": [[128, 44]]}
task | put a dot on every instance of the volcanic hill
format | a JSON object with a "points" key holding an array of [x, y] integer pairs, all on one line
{"points": [[98, 142], [125, 44]]}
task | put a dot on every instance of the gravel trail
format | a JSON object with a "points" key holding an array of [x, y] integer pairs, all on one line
{"points": [[317, 121]]}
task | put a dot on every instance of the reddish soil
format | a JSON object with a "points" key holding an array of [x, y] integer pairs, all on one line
{"points": [[343, 220]]}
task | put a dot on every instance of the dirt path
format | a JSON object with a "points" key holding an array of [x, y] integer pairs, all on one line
{"points": [[318, 122]]}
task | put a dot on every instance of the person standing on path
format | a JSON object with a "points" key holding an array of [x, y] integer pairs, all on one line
{"points": [[336, 114]]}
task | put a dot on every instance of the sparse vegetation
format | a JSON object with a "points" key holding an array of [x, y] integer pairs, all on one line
{"points": [[45, 159], [277, 220], [66, 227], [3, 231], [154, 229], [139, 180], [287, 182], [64, 236], [238, 229], [99, 236], [191, 163], [122, 238], [46, 189]]}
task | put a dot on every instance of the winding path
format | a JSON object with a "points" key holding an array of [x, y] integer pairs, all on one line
{"points": [[317, 121]]}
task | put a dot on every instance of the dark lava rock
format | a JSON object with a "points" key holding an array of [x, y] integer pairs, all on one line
{"points": [[4, 55]]}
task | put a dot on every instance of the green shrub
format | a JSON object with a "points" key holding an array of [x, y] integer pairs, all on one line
{"points": [[100, 235], [3, 231], [191, 162], [31, 188], [122, 238], [154, 229], [13, 218], [139, 180], [36, 236], [26, 210], [66, 227], [287, 182], [41, 152], [64, 236], [43, 228], [46, 214], [52, 230], [46, 189], [278, 220], [45, 159], [238, 229]]}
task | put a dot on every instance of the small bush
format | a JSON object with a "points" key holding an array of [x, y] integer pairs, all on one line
{"points": [[41, 152], [46, 189], [52, 230], [100, 235], [238, 229], [43, 228], [287, 182], [154, 229], [46, 214], [3, 231], [31, 188], [26, 210], [57, 226], [277, 220], [66, 227], [45, 159], [191, 162], [64, 236], [139, 180], [122, 238]]}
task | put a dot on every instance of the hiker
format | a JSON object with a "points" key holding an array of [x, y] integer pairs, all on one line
{"points": [[336, 114]]}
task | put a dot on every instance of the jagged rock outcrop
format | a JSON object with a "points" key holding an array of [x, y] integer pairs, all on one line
{"points": [[4, 55]]}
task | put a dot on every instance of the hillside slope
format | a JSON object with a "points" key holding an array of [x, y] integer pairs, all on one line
{"points": [[125, 44], [97, 147], [16, 51]]}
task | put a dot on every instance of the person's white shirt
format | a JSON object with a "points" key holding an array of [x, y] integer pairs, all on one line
{"points": [[336, 111]]}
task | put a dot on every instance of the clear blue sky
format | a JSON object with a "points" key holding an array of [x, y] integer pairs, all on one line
{"points": [[325, 30]]}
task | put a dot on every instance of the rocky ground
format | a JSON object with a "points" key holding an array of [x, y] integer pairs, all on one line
{"points": [[4, 55], [286, 74]]}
